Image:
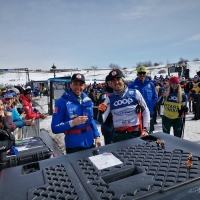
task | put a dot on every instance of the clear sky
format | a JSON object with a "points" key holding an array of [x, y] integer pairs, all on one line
{"points": [[85, 33]]}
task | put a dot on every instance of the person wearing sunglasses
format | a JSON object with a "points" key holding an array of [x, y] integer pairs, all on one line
{"points": [[174, 108], [148, 91]]}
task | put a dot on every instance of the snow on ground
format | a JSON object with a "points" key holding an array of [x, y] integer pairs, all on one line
{"points": [[99, 74], [192, 130]]}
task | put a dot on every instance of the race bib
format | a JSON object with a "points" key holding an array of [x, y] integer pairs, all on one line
{"points": [[171, 109]]}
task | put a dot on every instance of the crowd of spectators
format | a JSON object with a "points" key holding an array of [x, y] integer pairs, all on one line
{"points": [[16, 111]]}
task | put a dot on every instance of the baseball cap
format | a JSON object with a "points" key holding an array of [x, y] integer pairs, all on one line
{"points": [[78, 77], [141, 69], [196, 76], [116, 73]]}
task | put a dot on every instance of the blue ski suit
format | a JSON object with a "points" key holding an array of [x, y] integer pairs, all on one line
{"points": [[67, 108]]}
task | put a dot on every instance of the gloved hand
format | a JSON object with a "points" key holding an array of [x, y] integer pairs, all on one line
{"points": [[185, 109], [180, 112], [102, 107], [139, 108]]}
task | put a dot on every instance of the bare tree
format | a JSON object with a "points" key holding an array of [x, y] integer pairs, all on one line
{"points": [[145, 63], [196, 59], [182, 60], [114, 66], [155, 64]]}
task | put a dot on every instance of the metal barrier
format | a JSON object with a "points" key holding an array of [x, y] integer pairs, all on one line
{"points": [[30, 131]]}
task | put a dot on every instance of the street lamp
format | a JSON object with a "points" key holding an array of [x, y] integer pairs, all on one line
{"points": [[54, 68]]}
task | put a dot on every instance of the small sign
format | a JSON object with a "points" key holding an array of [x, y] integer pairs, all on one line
{"points": [[105, 160]]}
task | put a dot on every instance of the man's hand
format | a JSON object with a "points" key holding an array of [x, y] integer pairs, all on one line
{"points": [[144, 132], [43, 116], [102, 107], [97, 142], [30, 122], [79, 120]]}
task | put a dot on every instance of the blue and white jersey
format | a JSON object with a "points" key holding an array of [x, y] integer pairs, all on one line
{"points": [[123, 109]]}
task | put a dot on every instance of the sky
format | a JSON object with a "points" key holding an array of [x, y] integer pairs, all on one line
{"points": [[80, 34]]}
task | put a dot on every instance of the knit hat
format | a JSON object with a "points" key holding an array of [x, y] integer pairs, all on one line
{"points": [[15, 90], [6, 94], [116, 73], [174, 79], [108, 78], [13, 93], [21, 89], [3, 90], [27, 91], [141, 69]]}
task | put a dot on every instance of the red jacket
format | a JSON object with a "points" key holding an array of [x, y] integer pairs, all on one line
{"points": [[28, 108]]}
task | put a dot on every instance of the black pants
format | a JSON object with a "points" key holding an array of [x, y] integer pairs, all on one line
{"points": [[196, 107], [76, 149]]}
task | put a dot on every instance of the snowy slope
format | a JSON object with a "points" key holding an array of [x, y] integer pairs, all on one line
{"points": [[99, 74]]}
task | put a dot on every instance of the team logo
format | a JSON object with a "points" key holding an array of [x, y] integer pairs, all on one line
{"points": [[123, 101], [78, 76], [131, 92], [55, 110], [173, 98], [114, 73], [125, 121], [72, 109], [142, 69]]}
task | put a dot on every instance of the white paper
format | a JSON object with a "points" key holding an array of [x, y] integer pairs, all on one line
{"points": [[105, 160]]}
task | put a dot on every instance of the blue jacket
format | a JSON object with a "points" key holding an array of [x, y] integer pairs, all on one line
{"points": [[148, 91], [17, 120], [68, 108]]}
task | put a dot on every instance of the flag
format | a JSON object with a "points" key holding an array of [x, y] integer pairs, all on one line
{"points": [[104, 96]]}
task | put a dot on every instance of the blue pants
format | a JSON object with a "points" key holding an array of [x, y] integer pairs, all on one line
{"points": [[108, 133]]}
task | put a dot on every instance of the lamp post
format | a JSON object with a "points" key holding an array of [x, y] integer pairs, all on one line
{"points": [[54, 68]]}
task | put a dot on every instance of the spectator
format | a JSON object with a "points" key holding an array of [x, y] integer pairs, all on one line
{"points": [[148, 91], [5, 131], [107, 127], [92, 96], [27, 104]]}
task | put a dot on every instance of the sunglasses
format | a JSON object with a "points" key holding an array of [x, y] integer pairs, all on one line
{"points": [[140, 73], [173, 84]]}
